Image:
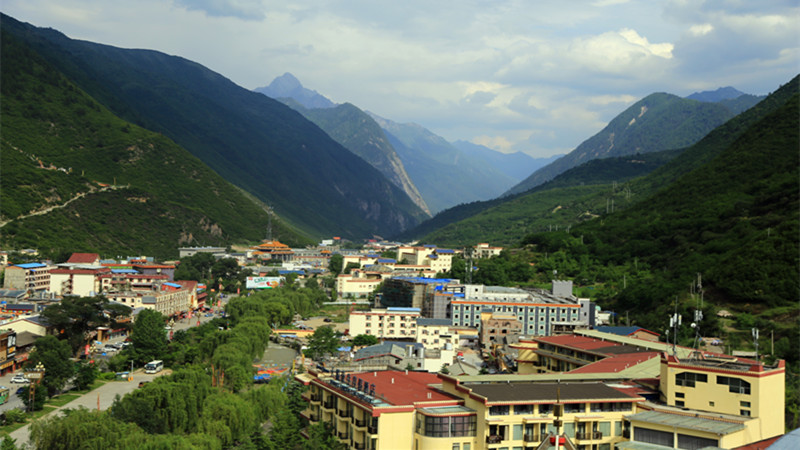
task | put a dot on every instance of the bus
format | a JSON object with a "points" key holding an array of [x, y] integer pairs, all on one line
{"points": [[154, 366], [4, 394]]}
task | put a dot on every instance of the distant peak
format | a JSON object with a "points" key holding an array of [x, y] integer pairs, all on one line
{"points": [[287, 81], [723, 93]]}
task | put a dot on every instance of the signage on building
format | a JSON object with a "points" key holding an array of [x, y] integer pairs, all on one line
{"points": [[263, 282]]}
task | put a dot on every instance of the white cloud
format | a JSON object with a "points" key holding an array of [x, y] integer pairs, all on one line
{"points": [[534, 76]]}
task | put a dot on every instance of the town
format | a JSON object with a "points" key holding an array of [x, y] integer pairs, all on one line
{"points": [[418, 360]]}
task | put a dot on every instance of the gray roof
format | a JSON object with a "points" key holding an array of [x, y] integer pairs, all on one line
{"points": [[547, 392], [386, 348], [789, 441], [424, 321], [687, 422]]}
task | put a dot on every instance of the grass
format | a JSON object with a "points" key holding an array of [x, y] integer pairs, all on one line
{"points": [[62, 400]]}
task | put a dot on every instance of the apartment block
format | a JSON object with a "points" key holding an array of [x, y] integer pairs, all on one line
{"points": [[389, 323], [28, 276]]}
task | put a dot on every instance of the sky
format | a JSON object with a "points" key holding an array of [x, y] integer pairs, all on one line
{"points": [[533, 76]]}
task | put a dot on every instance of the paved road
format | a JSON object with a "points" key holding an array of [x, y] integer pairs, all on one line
{"points": [[101, 398]]}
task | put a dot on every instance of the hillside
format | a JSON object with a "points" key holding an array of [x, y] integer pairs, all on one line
{"points": [[552, 204], [732, 217], [257, 143], [358, 132], [442, 173], [121, 189], [516, 165], [657, 122]]}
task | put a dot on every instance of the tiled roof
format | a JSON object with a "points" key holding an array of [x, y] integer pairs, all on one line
{"points": [[405, 388], [687, 422], [83, 258], [548, 392], [616, 363]]}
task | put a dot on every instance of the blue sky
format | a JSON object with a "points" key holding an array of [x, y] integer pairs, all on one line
{"points": [[534, 76]]}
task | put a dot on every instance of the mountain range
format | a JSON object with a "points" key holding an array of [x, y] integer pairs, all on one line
{"points": [[658, 122], [252, 141]]}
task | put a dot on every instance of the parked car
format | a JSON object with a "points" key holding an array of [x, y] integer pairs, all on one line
{"points": [[109, 348], [122, 345], [19, 378], [20, 390]]}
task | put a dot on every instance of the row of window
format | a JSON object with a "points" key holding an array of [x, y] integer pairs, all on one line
{"points": [[455, 426], [735, 385], [569, 408]]}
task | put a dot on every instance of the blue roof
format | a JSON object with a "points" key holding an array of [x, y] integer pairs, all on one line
{"points": [[31, 265], [176, 285], [432, 256], [286, 272], [429, 246], [124, 271], [425, 280], [402, 309], [387, 260], [622, 331], [444, 250]]}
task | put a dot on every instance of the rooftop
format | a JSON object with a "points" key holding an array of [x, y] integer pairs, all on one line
{"points": [[549, 392], [690, 422], [396, 388], [83, 258]]}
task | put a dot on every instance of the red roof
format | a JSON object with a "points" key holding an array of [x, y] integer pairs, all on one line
{"points": [[576, 342], [616, 363], [80, 271], [83, 258], [405, 388]]}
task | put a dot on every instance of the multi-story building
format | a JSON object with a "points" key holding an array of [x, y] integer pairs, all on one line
{"points": [[438, 259], [28, 276], [77, 279], [8, 348], [417, 410], [412, 291], [389, 323], [537, 310], [484, 250], [713, 401], [497, 328], [435, 333]]}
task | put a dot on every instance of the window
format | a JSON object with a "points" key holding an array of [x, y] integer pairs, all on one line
{"points": [[680, 395], [523, 409], [456, 446], [498, 410], [710, 403], [689, 379], [744, 412], [744, 404], [572, 408], [735, 385], [545, 409], [679, 403]]}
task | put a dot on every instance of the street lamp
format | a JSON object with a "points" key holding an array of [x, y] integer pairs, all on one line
{"points": [[35, 376]]}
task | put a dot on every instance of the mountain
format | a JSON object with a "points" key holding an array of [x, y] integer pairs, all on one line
{"points": [[578, 194], [256, 143], [359, 133], [288, 86], [723, 93], [657, 122], [729, 97], [444, 175], [727, 208], [516, 165], [75, 177]]}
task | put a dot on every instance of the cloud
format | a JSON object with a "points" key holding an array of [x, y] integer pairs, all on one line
{"points": [[242, 9]]}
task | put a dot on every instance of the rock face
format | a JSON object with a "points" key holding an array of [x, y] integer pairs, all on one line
{"points": [[288, 86]]}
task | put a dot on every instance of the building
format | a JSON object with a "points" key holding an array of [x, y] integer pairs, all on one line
{"points": [[272, 249], [499, 329], [28, 276], [635, 332], [389, 323], [484, 250], [91, 259], [78, 279], [537, 310], [191, 251], [416, 410], [388, 410], [8, 348], [412, 291], [435, 333], [713, 401], [439, 260]]}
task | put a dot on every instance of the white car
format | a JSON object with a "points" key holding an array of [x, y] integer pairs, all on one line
{"points": [[19, 378]]}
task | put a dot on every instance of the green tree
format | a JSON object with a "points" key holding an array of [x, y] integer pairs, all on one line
{"points": [[55, 355], [364, 340], [85, 375], [76, 317], [148, 336], [336, 264], [196, 267], [40, 397], [321, 436], [228, 417], [323, 342]]}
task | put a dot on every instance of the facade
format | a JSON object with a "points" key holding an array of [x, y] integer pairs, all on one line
{"points": [[536, 310], [435, 333], [28, 276], [191, 251], [389, 323], [484, 250], [420, 411], [498, 328], [8, 348], [272, 250], [81, 280], [356, 284]]}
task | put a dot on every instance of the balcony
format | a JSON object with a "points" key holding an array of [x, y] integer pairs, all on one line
{"points": [[344, 413], [342, 435], [330, 404], [316, 397], [494, 439], [360, 423], [372, 429], [588, 435], [360, 445], [531, 438]]}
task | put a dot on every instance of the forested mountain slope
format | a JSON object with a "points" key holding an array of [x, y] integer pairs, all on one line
{"points": [[122, 189], [251, 140], [359, 133], [657, 122]]}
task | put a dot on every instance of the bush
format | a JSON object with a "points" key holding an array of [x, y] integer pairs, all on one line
{"points": [[15, 416], [107, 376]]}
